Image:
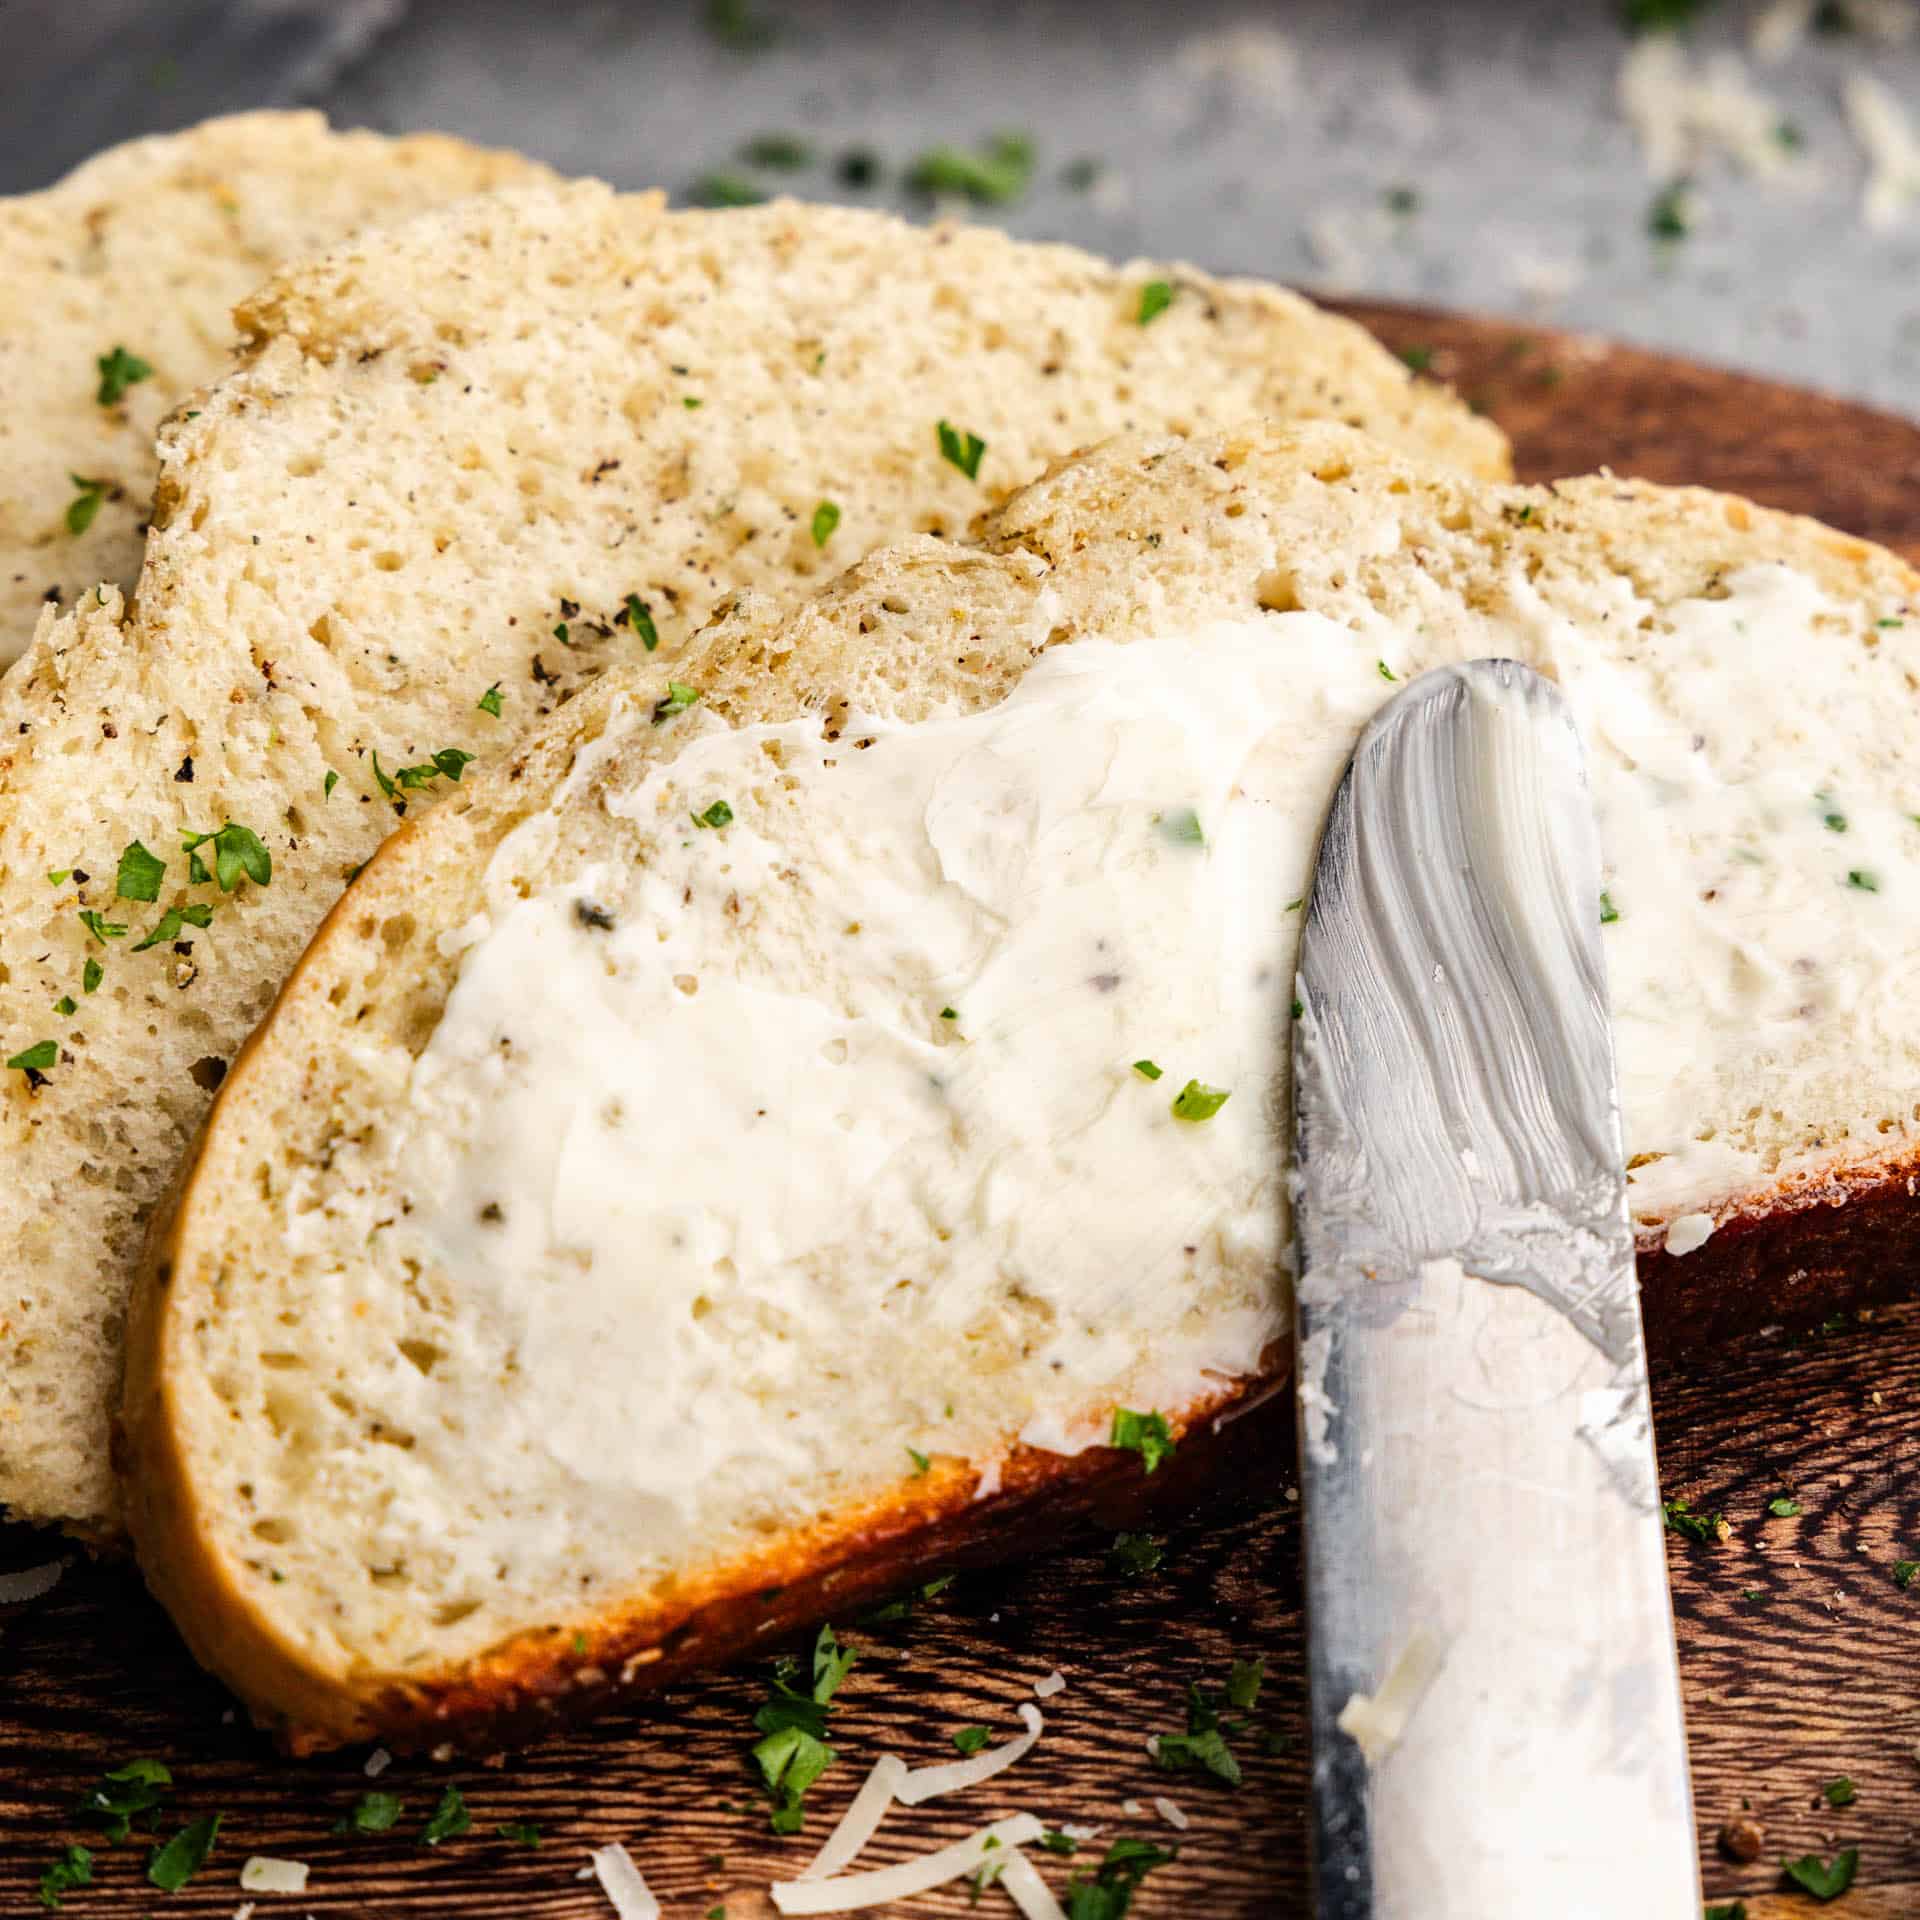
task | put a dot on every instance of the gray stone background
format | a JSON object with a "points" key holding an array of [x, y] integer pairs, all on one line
{"points": [[1278, 140]]}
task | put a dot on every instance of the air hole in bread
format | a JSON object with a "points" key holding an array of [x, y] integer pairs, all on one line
{"points": [[454, 1611], [281, 1362], [303, 466], [422, 1353], [1275, 591], [277, 1532], [397, 930], [388, 561]]}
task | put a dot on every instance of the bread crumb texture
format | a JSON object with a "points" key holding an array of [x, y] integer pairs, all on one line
{"points": [[138, 258], [343, 1492], [463, 467]]}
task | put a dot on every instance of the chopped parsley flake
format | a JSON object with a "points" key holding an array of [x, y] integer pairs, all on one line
{"points": [[1196, 1101], [1680, 1518], [962, 450], [792, 1753], [1660, 16], [637, 614], [174, 1864], [171, 923], [489, 702], [1109, 1891], [1143, 1433], [1904, 1572], [237, 851], [1146, 1070], [921, 1461], [85, 504], [726, 190], [102, 930], [138, 1787], [57, 876], [779, 152], [66, 1006], [91, 974], [1182, 827], [1830, 815], [735, 25], [1609, 913], [1840, 1792], [1863, 881], [1824, 1879], [1243, 1683], [971, 1739], [1724, 1910], [450, 1819], [560, 633], [1418, 359], [119, 370], [328, 784], [679, 698], [1386, 672], [1783, 1508], [1889, 621], [717, 815], [72, 1867], [990, 176], [826, 516], [1155, 298], [523, 1833], [36, 1058], [1135, 1554], [371, 1813], [140, 874], [1671, 216]]}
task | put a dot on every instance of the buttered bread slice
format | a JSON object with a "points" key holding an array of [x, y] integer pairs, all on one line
{"points": [[464, 466], [824, 1098], [117, 289]]}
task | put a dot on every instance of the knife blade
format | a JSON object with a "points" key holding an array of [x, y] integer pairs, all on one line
{"points": [[1495, 1695]]}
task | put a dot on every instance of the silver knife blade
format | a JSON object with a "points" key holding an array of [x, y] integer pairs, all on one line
{"points": [[1494, 1690]]}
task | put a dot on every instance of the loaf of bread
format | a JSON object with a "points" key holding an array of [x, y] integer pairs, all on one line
{"points": [[822, 1096], [464, 466], [117, 289]]}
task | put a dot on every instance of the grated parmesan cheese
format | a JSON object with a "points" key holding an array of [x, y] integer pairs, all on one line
{"points": [[621, 1882], [1030, 1893], [1377, 1722], [1055, 1682], [1682, 112], [856, 1891], [927, 1783], [264, 1874], [861, 1820], [1170, 1811], [1893, 155], [378, 1761], [30, 1583]]}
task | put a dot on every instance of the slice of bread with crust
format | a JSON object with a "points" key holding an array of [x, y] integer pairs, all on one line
{"points": [[739, 1151], [145, 250], [464, 465]]}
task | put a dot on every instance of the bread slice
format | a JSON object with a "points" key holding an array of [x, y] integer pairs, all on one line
{"points": [[639, 1223], [145, 249], [463, 467]]}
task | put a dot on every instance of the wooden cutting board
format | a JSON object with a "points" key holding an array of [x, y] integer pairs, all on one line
{"points": [[1800, 1653]]}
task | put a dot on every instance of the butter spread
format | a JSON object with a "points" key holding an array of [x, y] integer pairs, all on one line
{"points": [[811, 1143]]}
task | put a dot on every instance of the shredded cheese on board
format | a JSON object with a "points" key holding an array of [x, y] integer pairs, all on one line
{"points": [[855, 1892], [622, 1883], [927, 1783]]}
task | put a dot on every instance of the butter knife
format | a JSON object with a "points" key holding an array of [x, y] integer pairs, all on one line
{"points": [[1494, 1691]]}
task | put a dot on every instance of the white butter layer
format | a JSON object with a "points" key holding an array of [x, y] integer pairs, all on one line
{"points": [[725, 1217]]}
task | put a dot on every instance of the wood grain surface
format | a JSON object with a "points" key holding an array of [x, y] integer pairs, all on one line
{"points": [[1798, 1647]]}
